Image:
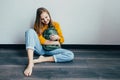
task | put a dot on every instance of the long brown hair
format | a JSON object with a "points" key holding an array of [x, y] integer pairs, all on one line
{"points": [[38, 24]]}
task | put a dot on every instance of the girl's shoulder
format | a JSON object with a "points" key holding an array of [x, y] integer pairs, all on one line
{"points": [[56, 24]]}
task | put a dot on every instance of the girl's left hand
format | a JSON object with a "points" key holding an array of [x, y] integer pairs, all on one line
{"points": [[54, 37]]}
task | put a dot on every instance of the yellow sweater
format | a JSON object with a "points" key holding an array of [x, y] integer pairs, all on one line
{"points": [[57, 27]]}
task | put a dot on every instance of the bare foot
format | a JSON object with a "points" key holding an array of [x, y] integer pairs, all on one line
{"points": [[40, 59], [28, 70]]}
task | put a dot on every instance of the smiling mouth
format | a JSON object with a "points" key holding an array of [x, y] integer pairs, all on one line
{"points": [[46, 22]]}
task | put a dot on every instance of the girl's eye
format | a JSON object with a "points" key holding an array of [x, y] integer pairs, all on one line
{"points": [[42, 19]]}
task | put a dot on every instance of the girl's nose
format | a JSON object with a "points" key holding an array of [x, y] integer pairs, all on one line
{"points": [[45, 20]]}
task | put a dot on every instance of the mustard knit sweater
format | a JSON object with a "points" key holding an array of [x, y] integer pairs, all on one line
{"points": [[58, 29]]}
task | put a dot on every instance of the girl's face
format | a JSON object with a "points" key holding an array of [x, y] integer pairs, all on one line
{"points": [[45, 18]]}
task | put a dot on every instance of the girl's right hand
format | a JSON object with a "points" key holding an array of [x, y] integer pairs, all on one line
{"points": [[54, 37], [57, 43]]}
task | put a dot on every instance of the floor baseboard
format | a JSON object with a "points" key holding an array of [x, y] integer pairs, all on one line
{"points": [[66, 46]]}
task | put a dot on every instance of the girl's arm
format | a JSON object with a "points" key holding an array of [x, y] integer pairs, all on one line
{"points": [[43, 41], [59, 37], [59, 31]]}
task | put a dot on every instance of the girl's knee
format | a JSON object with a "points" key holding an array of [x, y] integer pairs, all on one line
{"points": [[71, 55], [30, 31]]}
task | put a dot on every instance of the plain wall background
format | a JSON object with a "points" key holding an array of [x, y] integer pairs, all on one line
{"points": [[82, 21]]}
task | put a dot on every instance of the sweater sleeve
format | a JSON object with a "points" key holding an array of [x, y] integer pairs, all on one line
{"points": [[41, 39], [59, 31]]}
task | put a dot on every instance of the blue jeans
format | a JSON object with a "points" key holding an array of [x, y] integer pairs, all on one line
{"points": [[32, 42]]}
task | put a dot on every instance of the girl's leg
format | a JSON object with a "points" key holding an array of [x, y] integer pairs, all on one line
{"points": [[62, 55], [28, 70], [58, 55], [44, 59], [32, 44]]}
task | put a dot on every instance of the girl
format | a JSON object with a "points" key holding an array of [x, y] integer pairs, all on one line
{"points": [[34, 41]]}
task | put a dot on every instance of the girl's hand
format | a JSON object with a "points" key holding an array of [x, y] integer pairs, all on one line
{"points": [[54, 37], [57, 43]]}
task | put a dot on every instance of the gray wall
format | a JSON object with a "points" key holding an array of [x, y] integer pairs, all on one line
{"points": [[82, 21]]}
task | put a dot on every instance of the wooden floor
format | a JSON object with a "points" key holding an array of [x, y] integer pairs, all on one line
{"points": [[87, 65]]}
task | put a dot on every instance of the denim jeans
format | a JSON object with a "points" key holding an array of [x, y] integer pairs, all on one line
{"points": [[32, 42]]}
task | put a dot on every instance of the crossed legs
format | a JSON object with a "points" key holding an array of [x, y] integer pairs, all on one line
{"points": [[31, 61]]}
